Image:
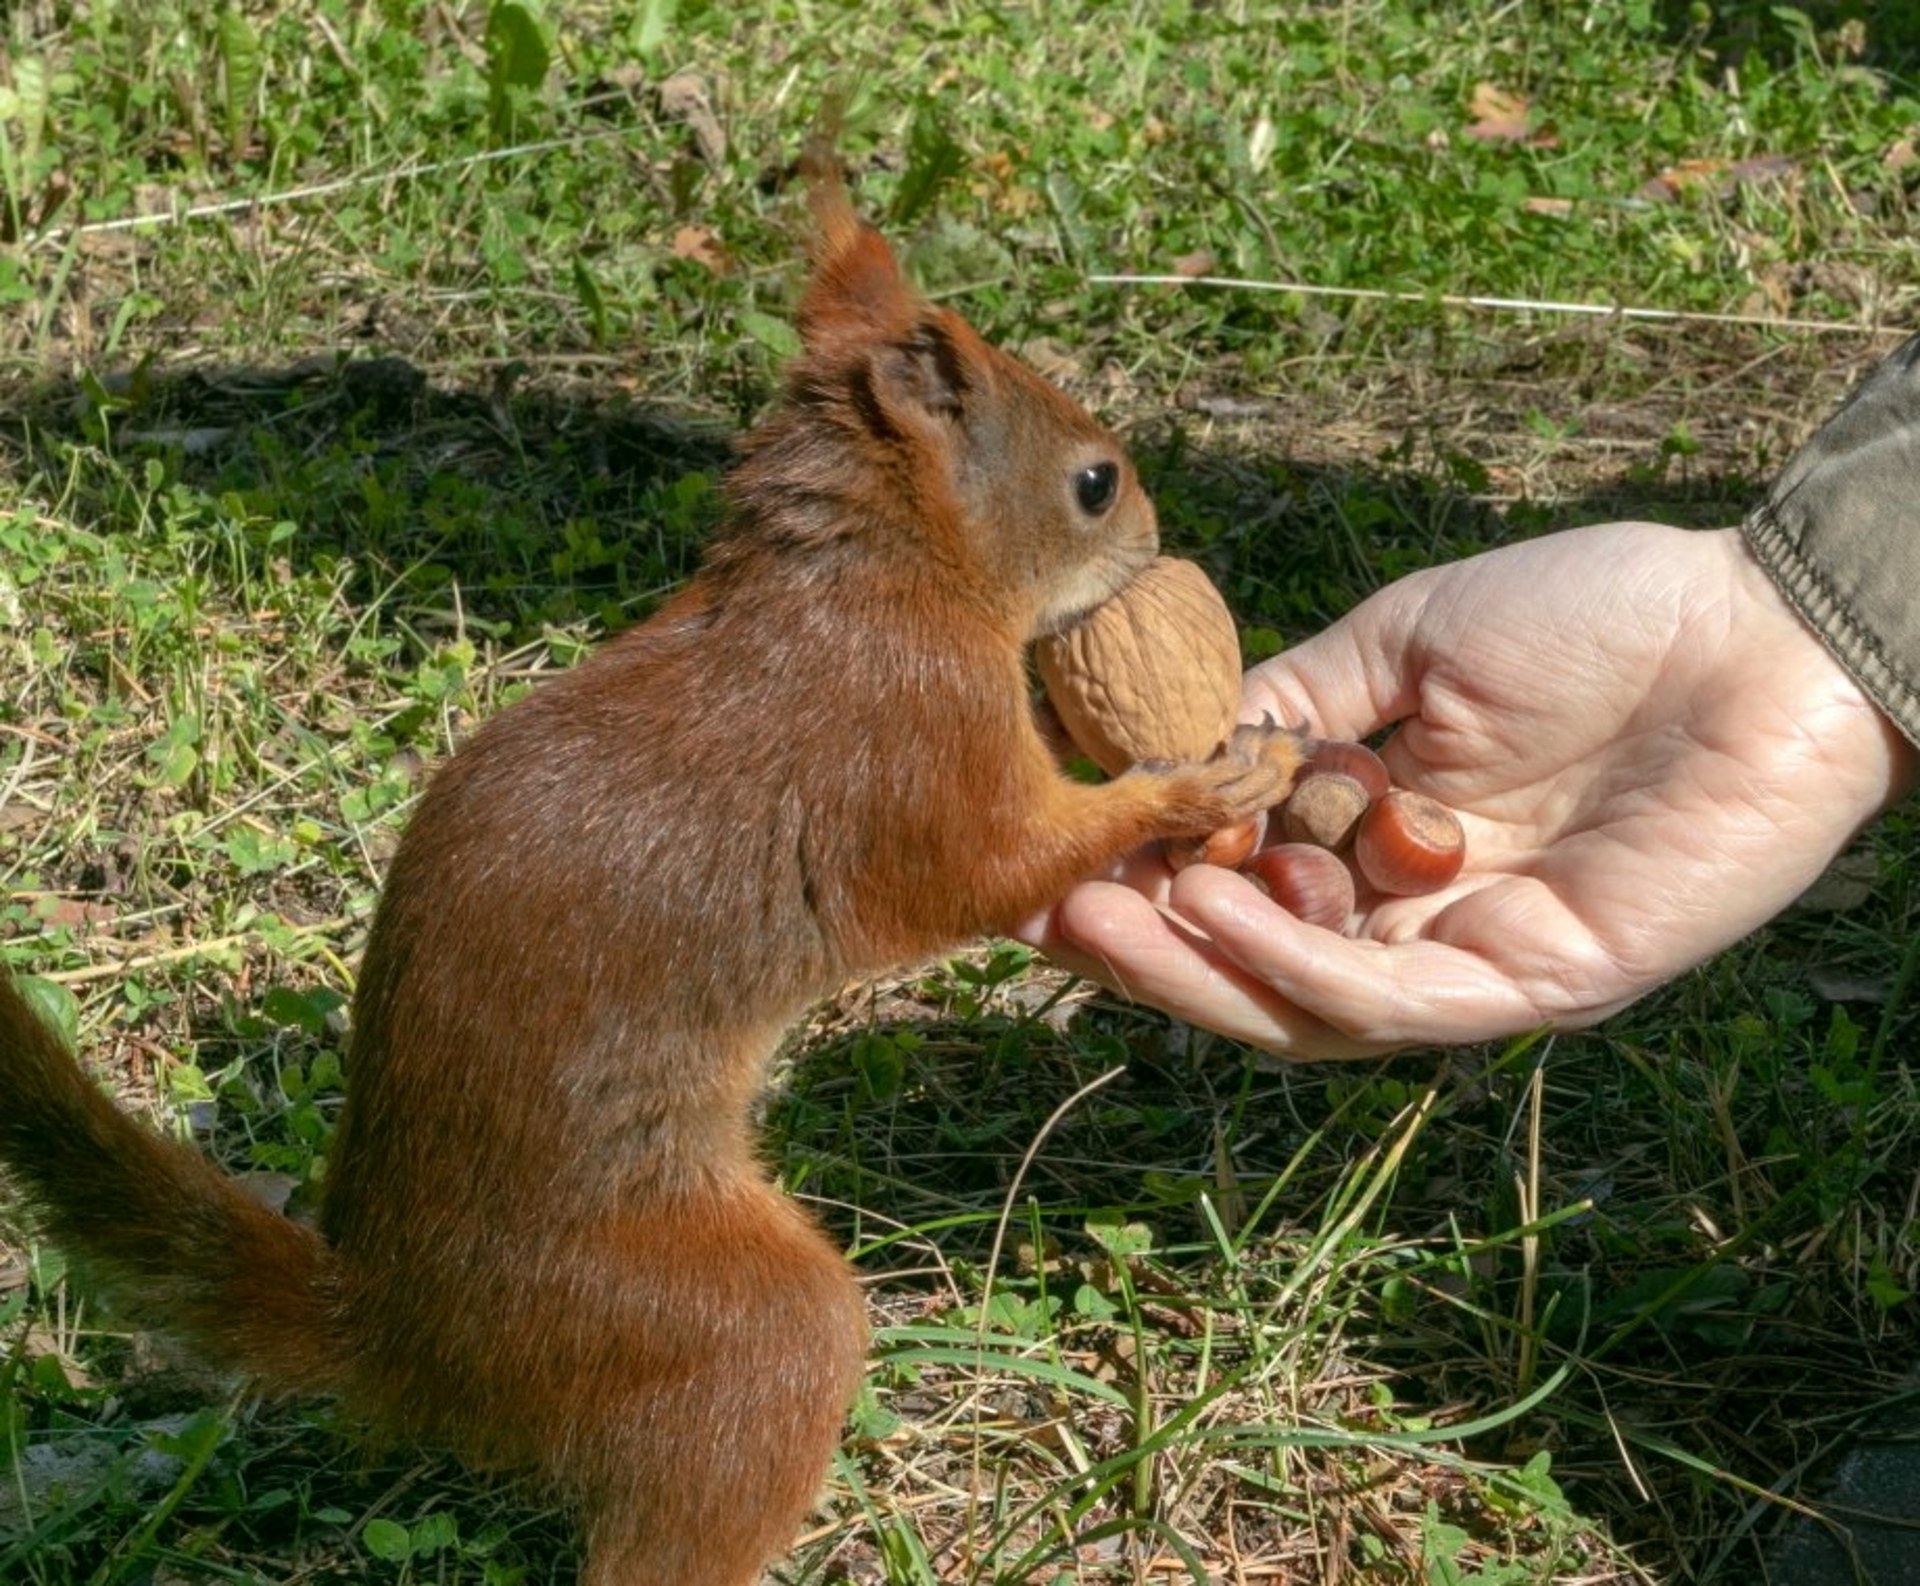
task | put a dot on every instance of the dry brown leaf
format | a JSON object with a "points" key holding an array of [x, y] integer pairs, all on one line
{"points": [[687, 97], [270, 1189], [40, 1344], [1718, 177], [1687, 176], [1498, 116], [1001, 188], [73, 912], [1772, 291], [1833, 986], [1761, 168], [1053, 360], [701, 245], [1846, 884]]}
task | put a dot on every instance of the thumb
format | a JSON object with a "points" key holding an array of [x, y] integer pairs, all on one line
{"points": [[1353, 677]]}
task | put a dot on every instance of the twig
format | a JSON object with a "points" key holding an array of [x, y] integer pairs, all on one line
{"points": [[1517, 305], [127, 966], [198, 949], [999, 1241], [294, 195], [1020, 1177]]}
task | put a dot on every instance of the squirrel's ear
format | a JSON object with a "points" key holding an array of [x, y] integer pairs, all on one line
{"points": [[917, 378], [856, 287], [856, 291], [926, 369]]}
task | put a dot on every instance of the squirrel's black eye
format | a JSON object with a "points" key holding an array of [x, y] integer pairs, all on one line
{"points": [[1096, 488]]}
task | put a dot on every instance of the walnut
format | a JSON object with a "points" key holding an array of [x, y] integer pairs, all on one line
{"points": [[1153, 674]]}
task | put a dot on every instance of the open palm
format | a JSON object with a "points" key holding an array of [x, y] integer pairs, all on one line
{"points": [[1650, 753]]}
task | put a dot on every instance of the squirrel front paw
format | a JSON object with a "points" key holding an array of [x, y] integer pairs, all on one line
{"points": [[1252, 771]]}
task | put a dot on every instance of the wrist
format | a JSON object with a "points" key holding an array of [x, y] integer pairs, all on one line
{"points": [[1872, 738]]}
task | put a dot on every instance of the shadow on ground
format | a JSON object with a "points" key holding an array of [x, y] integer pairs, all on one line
{"points": [[546, 505], [1734, 30]]}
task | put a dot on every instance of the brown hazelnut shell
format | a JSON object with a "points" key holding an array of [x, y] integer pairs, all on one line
{"points": [[1348, 758], [1306, 880], [1324, 809], [1229, 847], [1408, 844]]}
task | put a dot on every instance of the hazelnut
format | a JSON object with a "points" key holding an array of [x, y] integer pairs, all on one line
{"points": [[1228, 848], [1306, 880], [1349, 759], [1324, 809], [1408, 844]]}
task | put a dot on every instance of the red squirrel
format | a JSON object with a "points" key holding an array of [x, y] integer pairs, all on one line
{"points": [[546, 1243]]}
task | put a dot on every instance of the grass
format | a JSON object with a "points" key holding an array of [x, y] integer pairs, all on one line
{"points": [[361, 361]]}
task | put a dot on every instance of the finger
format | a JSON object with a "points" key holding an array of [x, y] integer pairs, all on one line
{"points": [[1379, 995], [1352, 678], [1113, 935], [1143, 871]]}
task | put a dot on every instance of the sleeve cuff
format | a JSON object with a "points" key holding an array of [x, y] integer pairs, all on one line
{"points": [[1839, 534]]}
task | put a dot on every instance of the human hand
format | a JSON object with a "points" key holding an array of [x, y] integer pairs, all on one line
{"points": [[1650, 753]]}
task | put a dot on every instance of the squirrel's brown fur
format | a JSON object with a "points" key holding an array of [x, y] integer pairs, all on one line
{"points": [[546, 1240]]}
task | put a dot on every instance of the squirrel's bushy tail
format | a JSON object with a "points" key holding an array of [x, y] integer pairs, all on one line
{"points": [[186, 1248]]}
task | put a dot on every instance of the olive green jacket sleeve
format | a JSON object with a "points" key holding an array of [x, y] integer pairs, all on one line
{"points": [[1840, 535]]}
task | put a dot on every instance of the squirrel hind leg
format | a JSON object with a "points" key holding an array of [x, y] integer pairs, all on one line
{"points": [[700, 1442]]}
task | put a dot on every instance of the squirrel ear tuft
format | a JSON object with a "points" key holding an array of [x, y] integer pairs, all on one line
{"points": [[856, 292], [856, 288]]}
